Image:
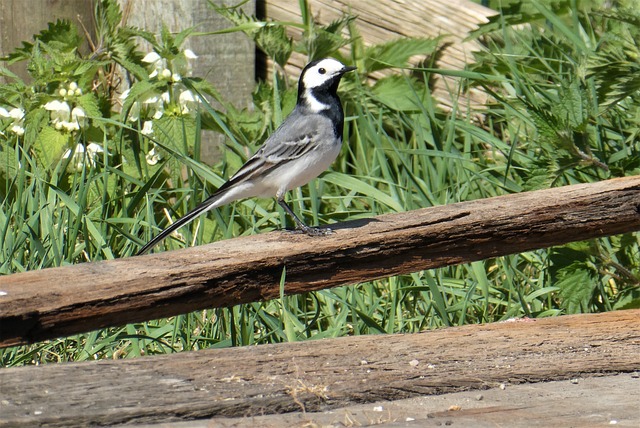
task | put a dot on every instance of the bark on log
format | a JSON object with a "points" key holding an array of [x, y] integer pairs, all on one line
{"points": [[43, 304], [318, 375]]}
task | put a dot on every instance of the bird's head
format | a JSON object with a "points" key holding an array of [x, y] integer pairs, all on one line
{"points": [[319, 79], [323, 72]]}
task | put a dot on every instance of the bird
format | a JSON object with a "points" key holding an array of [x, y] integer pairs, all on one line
{"points": [[304, 145]]}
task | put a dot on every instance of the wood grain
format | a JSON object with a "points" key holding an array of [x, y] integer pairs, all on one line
{"points": [[318, 375], [43, 304], [20, 20]]}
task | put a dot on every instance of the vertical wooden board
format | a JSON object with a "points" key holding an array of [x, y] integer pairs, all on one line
{"points": [[225, 60], [21, 19]]}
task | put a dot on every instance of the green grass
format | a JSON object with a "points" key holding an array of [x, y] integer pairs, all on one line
{"points": [[550, 123]]}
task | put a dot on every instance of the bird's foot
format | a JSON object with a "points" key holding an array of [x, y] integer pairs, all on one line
{"points": [[312, 231], [316, 231]]}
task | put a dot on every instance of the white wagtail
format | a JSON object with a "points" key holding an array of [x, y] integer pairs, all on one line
{"points": [[302, 147]]}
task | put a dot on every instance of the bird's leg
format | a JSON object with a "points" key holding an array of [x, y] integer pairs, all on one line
{"points": [[311, 231]]}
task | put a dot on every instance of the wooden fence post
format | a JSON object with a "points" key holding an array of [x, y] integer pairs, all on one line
{"points": [[21, 19], [225, 60]]}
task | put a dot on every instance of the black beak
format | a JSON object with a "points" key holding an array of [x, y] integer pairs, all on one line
{"points": [[347, 69]]}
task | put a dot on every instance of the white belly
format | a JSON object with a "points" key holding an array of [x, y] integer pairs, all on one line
{"points": [[301, 171]]}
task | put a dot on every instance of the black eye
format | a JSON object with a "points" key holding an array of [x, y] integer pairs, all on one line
{"points": [[322, 71]]}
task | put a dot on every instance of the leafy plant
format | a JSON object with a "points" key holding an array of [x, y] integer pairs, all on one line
{"points": [[569, 104]]}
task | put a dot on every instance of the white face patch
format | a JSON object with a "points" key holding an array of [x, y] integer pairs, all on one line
{"points": [[313, 104], [321, 72]]}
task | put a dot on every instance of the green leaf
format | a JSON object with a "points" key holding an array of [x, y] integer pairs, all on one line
{"points": [[109, 16], [270, 37], [323, 41], [577, 285], [89, 104], [8, 161], [397, 53], [559, 25], [392, 92], [275, 42], [370, 322], [176, 132], [239, 18], [50, 146], [61, 35], [356, 185]]}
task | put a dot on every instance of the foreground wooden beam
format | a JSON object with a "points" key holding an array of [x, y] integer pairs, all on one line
{"points": [[318, 375], [43, 304]]}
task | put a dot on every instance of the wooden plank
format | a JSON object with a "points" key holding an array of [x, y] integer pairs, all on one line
{"points": [[43, 304], [579, 402], [384, 21], [318, 375], [20, 20]]}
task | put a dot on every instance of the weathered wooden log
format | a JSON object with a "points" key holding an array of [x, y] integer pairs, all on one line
{"points": [[43, 304], [317, 375]]}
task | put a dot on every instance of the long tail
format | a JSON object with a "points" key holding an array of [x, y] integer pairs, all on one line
{"points": [[208, 204]]}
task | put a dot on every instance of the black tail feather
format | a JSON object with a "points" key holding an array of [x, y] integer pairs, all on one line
{"points": [[190, 216]]}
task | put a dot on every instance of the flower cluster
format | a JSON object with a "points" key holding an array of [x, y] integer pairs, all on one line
{"points": [[160, 66], [63, 116], [175, 97], [17, 119], [78, 155]]}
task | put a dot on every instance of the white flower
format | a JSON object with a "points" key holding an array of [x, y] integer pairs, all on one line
{"points": [[147, 128], [17, 129], [63, 118], [165, 74], [154, 104], [153, 157], [134, 111], [78, 155], [93, 150], [17, 116], [72, 90], [151, 58], [187, 101], [188, 53], [78, 116], [182, 66], [60, 110], [157, 62]]}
